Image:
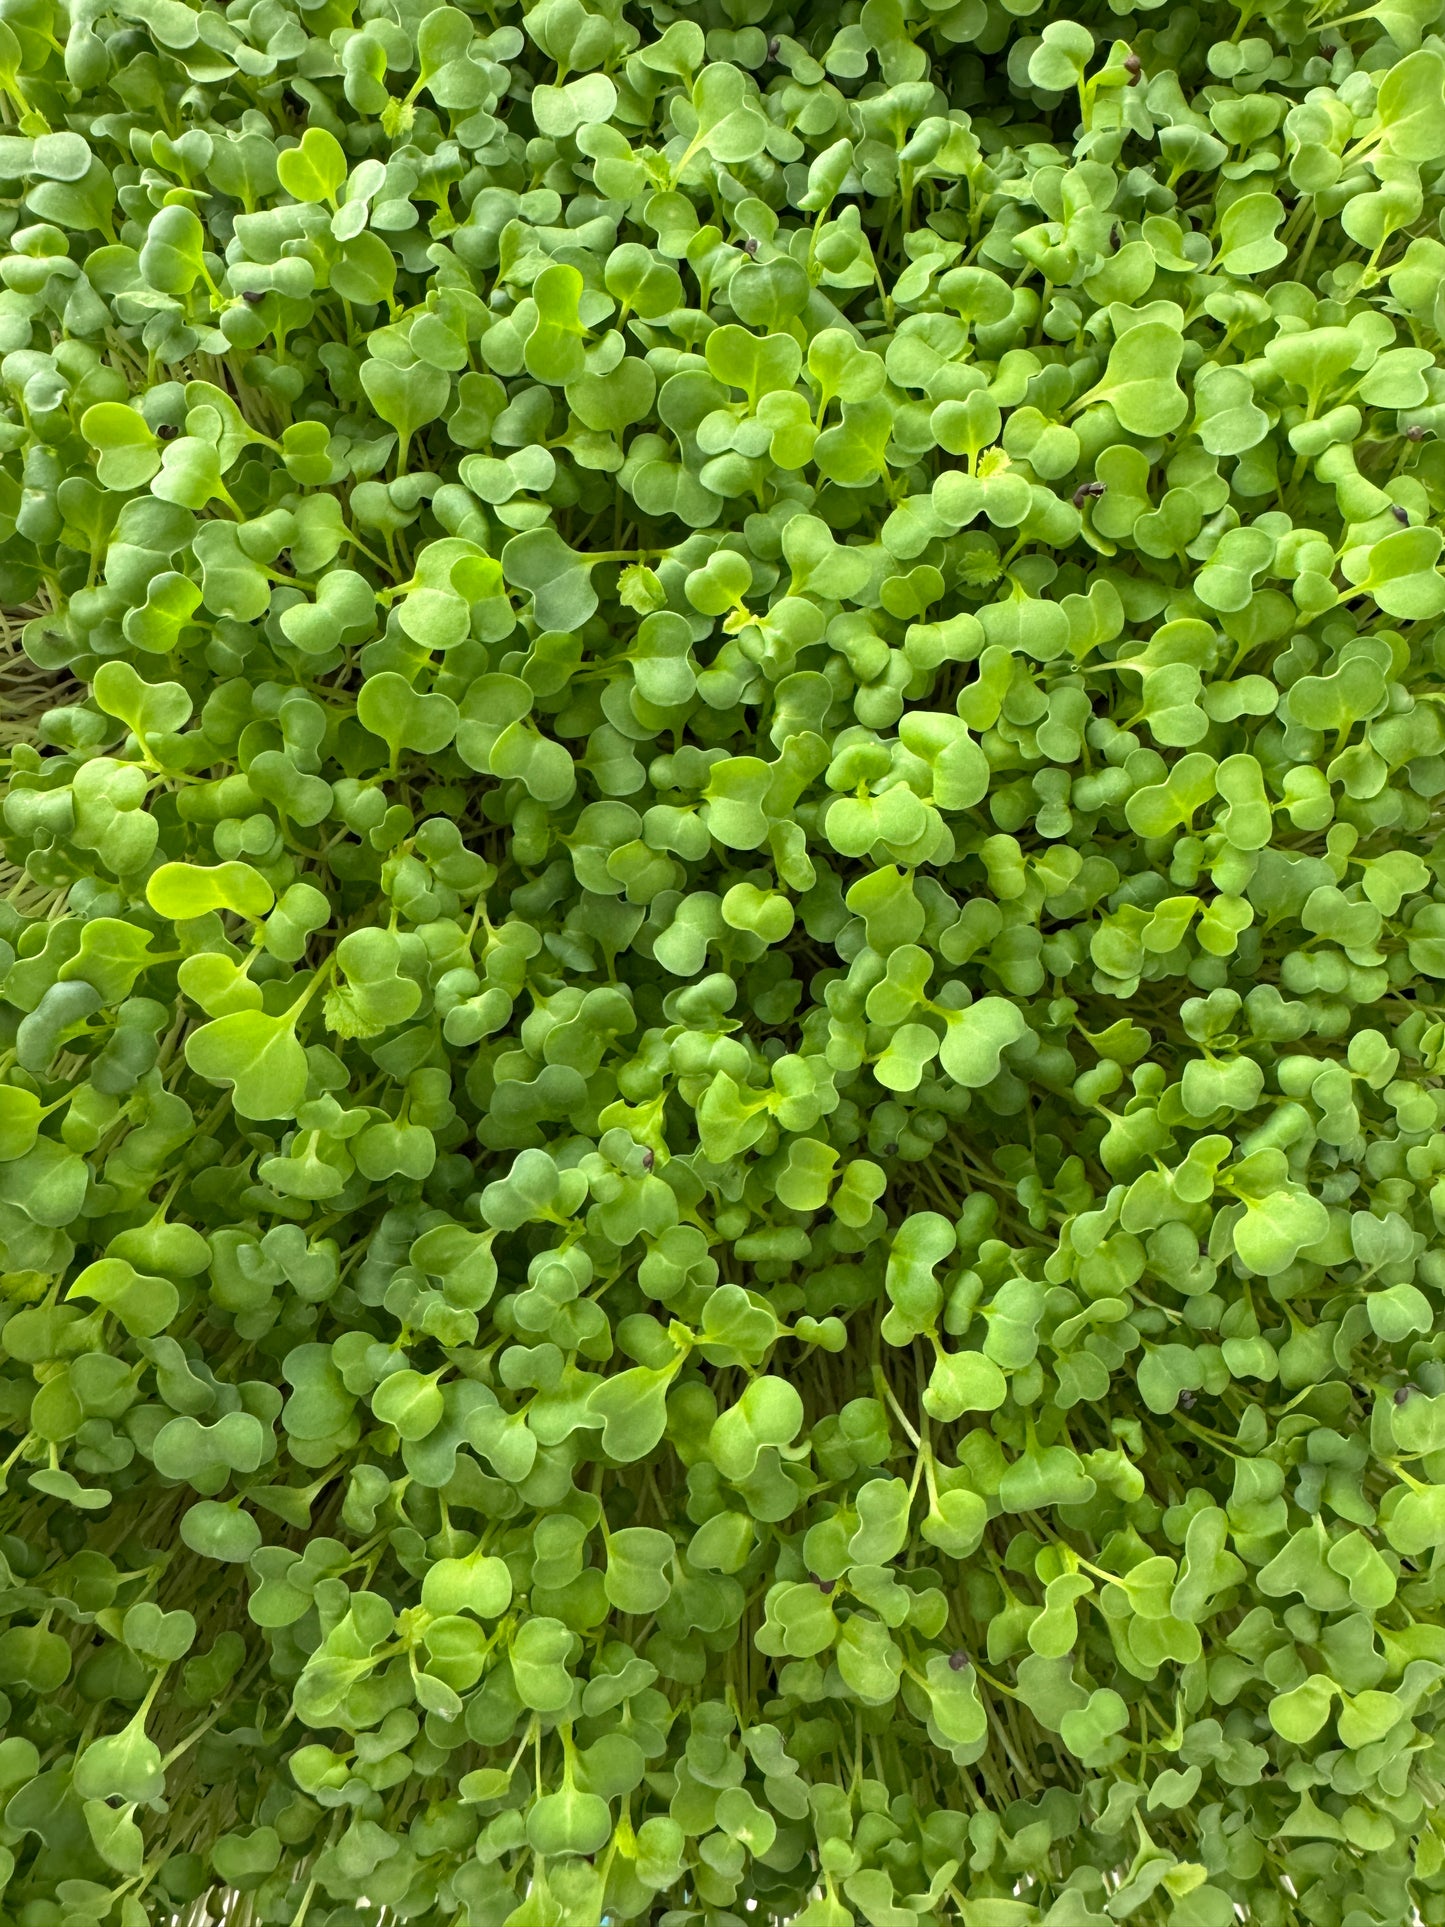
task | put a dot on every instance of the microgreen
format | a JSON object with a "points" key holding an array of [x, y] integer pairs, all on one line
{"points": [[722, 963]]}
